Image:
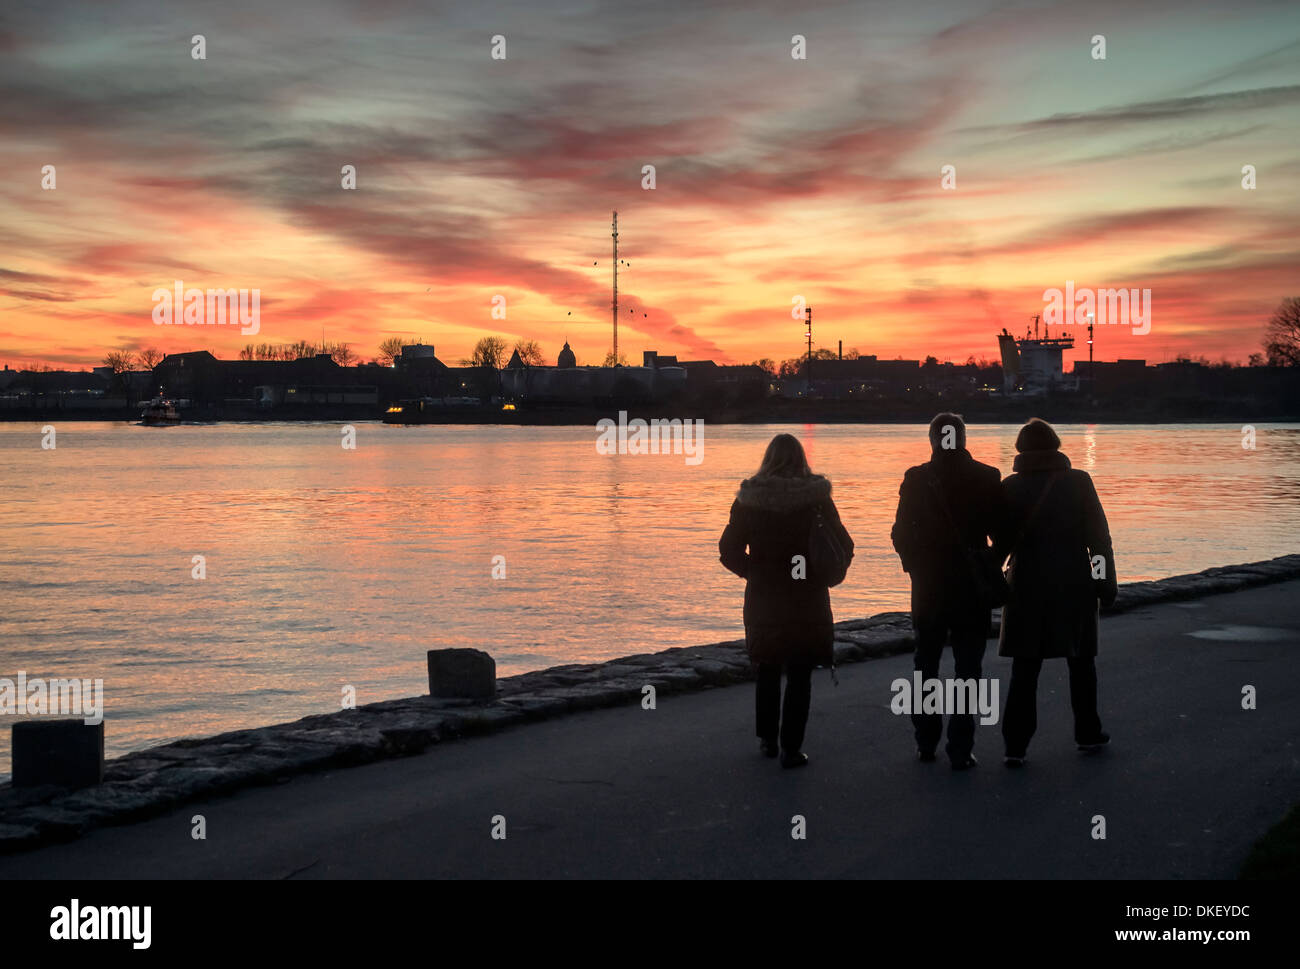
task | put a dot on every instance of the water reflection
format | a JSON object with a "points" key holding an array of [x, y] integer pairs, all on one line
{"points": [[328, 568]]}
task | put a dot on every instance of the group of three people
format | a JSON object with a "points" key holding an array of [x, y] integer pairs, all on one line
{"points": [[957, 522]]}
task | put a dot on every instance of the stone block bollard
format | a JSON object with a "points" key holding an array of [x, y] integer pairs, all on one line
{"points": [[462, 674], [69, 753]]}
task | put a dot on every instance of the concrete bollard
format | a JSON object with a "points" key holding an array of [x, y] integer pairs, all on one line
{"points": [[462, 674], [69, 753]]}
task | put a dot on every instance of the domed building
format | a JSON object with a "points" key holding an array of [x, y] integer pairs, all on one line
{"points": [[567, 357]]}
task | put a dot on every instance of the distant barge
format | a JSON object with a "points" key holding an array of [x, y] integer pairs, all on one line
{"points": [[449, 410]]}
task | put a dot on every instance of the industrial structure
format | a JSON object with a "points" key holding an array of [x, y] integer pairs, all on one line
{"points": [[1034, 365]]}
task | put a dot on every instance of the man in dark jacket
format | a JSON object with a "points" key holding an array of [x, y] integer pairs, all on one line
{"points": [[948, 509]]}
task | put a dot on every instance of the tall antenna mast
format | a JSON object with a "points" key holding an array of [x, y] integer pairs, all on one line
{"points": [[808, 319], [1092, 374], [615, 305]]}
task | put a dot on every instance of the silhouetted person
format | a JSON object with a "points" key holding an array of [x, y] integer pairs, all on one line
{"points": [[948, 509], [1061, 565], [788, 621]]}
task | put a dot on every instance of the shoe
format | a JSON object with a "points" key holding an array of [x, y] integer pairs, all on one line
{"points": [[796, 759], [925, 756], [965, 763], [768, 747], [1014, 761], [1095, 744]]}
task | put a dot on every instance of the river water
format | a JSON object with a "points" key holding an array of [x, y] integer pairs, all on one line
{"points": [[328, 567]]}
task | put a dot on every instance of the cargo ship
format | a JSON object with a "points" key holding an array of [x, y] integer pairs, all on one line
{"points": [[1033, 364]]}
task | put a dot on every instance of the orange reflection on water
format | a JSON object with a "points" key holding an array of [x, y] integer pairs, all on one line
{"points": [[328, 568]]}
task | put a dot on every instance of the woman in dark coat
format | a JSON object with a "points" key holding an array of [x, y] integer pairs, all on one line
{"points": [[788, 622], [1062, 564]]}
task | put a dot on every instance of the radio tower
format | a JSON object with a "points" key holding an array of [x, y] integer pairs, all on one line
{"points": [[808, 320], [614, 233]]}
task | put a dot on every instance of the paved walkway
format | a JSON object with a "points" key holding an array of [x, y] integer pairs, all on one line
{"points": [[1190, 782]]}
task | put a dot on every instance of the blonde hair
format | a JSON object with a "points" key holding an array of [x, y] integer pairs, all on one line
{"points": [[784, 458]]}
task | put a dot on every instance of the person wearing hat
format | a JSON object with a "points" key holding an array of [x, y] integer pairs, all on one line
{"points": [[1061, 565]]}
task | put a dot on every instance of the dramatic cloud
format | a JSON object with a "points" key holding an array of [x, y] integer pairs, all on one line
{"points": [[775, 177]]}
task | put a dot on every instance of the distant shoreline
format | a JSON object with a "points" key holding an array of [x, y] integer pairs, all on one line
{"points": [[1011, 412]]}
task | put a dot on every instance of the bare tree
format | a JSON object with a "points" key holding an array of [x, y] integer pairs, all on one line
{"points": [[390, 348], [611, 362], [766, 364], [530, 352], [343, 355], [488, 352], [119, 361], [1282, 336], [248, 353], [150, 357]]}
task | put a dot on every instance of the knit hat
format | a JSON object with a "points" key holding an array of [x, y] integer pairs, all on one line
{"points": [[1037, 435]]}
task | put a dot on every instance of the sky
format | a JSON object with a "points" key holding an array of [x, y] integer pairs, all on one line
{"points": [[776, 178]]}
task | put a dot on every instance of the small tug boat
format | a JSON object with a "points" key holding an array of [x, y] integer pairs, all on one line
{"points": [[160, 412]]}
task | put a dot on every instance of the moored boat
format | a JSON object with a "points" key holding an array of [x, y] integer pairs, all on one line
{"points": [[160, 412]]}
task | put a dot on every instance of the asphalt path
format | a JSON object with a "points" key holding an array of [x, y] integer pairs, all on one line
{"points": [[1190, 781]]}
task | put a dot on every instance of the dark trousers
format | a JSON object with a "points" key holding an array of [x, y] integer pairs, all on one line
{"points": [[1020, 719], [968, 630], [774, 721]]}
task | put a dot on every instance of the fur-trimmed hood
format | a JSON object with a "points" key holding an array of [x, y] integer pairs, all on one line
{"points": [[772, 493]]}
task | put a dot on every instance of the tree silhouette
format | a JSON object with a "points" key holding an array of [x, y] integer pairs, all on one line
{"points": [[119, 361], [530, 352], [343, 354], [490, 351], [1282, 335], [390, 348]]}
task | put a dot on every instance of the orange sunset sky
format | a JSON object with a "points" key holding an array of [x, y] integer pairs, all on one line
{"points": [[776, 177]]}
